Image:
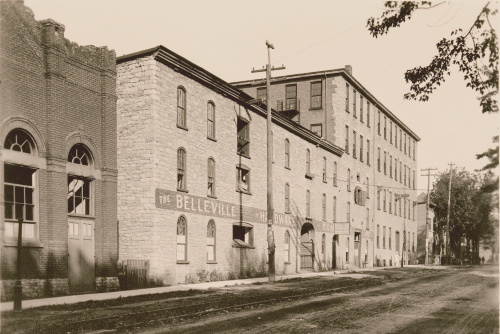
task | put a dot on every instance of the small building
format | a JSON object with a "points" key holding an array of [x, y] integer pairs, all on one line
{"points": [[58, 158], [425, 231]]}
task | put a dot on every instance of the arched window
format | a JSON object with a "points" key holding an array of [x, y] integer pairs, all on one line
{"points": [[211, 241], [287, 198], [335, 174], [324, 207], [348, 179], [79, 189], [308, 204], [287, 153], [79, 155], [181, 107], [211, 177], [347, 250], [367, 188], [19, 141], [334, 208], [323, 246], [348, 212], [181, 239], [287, 247], [308, 162], [367, 218], [181, 169], [324, 169], [211, 120]]}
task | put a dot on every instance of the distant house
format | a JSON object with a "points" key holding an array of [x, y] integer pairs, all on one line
{"points": [[425, 234]]}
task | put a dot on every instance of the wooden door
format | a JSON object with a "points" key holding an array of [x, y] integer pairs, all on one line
{"points": [[81, 264]]}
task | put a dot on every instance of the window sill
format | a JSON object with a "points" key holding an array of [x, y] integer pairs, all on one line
{"points": [[241, 246], [309, 176], [347, 111], [182, 127], [182, 262], [318, 108], [308, 218], [288, 168], [325, 181], [212, 196], [76, 215], [243, 192], [182, 190], [212, 139], [12, 242], [288, 262], [244, 155], [211, 262]]}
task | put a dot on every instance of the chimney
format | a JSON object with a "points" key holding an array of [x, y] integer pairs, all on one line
{"points": [[348, 69]]}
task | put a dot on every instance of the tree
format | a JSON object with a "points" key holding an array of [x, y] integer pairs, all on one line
{"points": [[466, 49], [470, 210]]}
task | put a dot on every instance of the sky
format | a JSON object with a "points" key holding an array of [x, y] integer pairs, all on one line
{"points": [[227, 38]]}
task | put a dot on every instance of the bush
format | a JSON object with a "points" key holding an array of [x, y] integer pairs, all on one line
{"points": [[190, 279]]}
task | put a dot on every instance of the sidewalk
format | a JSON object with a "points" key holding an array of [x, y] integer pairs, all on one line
{"points": [[354, 273]]}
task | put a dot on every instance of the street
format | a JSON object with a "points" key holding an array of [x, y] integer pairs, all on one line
{"points": [[448, 301]]}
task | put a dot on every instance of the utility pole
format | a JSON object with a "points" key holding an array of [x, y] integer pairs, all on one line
{"points": [[427, 219], [270, 211], [448, 218]]}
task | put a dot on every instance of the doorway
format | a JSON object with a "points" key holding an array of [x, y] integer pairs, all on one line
{"points": [[81, 261]]}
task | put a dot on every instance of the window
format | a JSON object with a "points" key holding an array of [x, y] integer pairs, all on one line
{"points": [[378, 124], [400, 172], [354, 103], [367, 218], [383, 238], [405, 175], [396, 136], [361, 108], [211, 120], [414, 144], [385, 127], [390, 201], [242, 235], [181, 169], [211, 241], [358, 196], [316, 95], [414, 205], [19, 141], [400, 139], [385, 163], [390, 166], [404, 211], [287, 198], [348, 212], [413, 244], [243, 179], [335, 174], [368, 113], [405, 143], [347, 250], [334, 208], [397, 241], [408, 242], [347, 97], [390, 233], [211, 178], [354, 144], [348, 180], [378, 199], [308, 162], [367, 188], [79, 155], [291, 97], [243, 137], [308, 204], [323, 246], [409, 146], [378, 236], [19, 192], [400, 199], [378, 159], [361, 148], [181, 239], [324, 169], [390, 134], [287, 153], [346, 149], [395, 169], [78, 196], [409, 202], [181, 107], [287, 247], [262, 94], [368, 152], [317, 129], [385, 199], [366, 252]]}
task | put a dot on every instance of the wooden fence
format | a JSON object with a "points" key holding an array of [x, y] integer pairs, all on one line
{"points": [[135, 274]]}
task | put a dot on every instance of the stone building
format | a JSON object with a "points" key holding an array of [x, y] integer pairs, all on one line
{"points": [[192, 179], [379, 165], [58, 158]]}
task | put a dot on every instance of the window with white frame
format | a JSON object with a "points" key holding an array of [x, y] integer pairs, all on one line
{"points": [[181, 239], [181, 169], [181, 107], [211, 177], [211, 241], [211, 120], [243, 179], [79, 189]]}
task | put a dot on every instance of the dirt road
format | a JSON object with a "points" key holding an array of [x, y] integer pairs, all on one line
{"points": [[458, 300]]}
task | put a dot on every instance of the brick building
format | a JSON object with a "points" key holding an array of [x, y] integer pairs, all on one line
{"points": [[379, 161], [192, 179], [58, 158]]}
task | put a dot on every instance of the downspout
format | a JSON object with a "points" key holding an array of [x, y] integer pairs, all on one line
{"points": [[326, 125]]}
